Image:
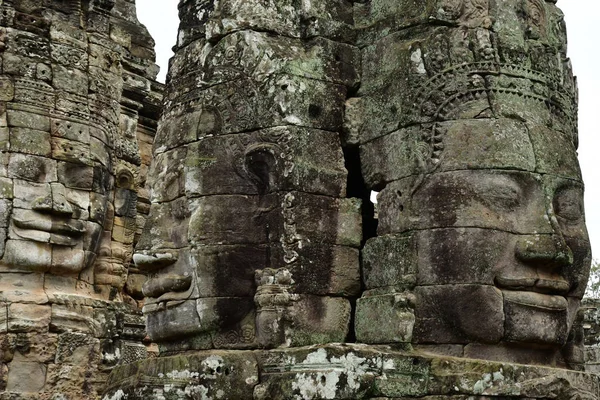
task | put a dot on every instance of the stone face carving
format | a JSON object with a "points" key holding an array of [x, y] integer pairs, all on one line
{"points": [[481, 194], [250, 240], [77, 102], [460, 113], [467, 128]]}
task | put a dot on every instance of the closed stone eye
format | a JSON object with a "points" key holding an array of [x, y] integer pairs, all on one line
{"points": [[504, 197]]}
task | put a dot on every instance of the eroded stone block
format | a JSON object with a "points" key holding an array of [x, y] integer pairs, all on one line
{"points": [[26, 376], [210, 373], [387, 318], [28, 317], [390, 261]]}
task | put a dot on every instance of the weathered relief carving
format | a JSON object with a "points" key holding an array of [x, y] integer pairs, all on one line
{"points": [[488, 217], [248, 187], [75, 103], [461, 114]]}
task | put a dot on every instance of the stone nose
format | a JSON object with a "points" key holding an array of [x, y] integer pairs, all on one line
{"points": [[54, 202], [544, 251]]}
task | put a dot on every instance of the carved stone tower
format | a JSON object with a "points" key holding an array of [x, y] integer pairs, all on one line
{"points": [[280, 119], [263, 269], [78, 111]]}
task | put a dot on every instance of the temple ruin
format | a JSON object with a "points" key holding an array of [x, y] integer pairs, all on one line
{"points": [[214, 238]]}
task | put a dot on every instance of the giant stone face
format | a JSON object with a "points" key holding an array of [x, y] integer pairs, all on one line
{"points": [[502, 255], [70, 155], [250, 240], [481, 243], [60, 197]]}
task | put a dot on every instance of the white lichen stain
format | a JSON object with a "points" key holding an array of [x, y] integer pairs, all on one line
{"points": [[389, 365], [212, 363], [252, 380], [119, 395], [185, 374], [497, 376], [482, 384], [417, 58], [194, 391], [487, 381], [158, 394], [292, 119], [323, 385]]}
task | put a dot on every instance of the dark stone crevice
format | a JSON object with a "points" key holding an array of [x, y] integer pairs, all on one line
{"points": [[357, 188]]}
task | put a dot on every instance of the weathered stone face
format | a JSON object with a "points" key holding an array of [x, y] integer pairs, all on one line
{"points": [[78, 110], [55, 221], [513, 243], [58, 169], [250, 240], [473, 147]]}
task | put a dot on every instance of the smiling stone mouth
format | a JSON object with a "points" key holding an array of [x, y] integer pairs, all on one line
{"points": [[70, 228], [546, 294], [557, 287], [49, 230], [156, 287], [536, 300], [168, 288]]}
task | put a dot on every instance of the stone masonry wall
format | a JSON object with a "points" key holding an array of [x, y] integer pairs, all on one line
{"points": [[78, 111]]}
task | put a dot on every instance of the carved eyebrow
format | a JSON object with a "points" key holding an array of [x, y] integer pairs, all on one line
{"points": [[502, 180], [481, 181]]}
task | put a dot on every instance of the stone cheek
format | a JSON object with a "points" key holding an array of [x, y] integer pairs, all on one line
{"points": [[77, 95]]}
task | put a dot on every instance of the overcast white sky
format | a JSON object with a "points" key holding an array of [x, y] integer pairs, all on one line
{"points": [[583, 24]]}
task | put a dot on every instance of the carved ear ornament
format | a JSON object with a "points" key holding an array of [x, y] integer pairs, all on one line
{"points": [[260, 163], [536, 19], [126, 176]]}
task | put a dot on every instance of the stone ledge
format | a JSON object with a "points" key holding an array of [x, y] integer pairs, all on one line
{"points": [[342, 372]]}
